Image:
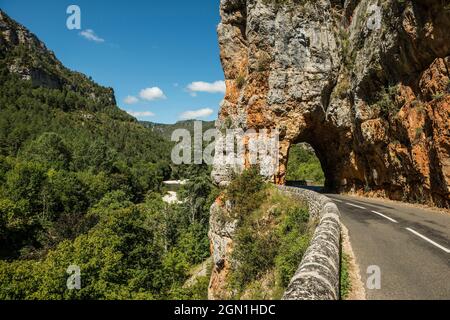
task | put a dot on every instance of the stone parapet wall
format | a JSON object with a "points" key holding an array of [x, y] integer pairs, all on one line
{"points": [[318, 276]]}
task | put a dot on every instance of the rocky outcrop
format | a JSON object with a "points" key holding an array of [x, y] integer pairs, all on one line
{"points": [[221, 234], [28, 57], [366, 83]]}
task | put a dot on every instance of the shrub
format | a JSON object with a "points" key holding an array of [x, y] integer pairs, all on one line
{"points": [[246, 192], [438, 96], [342, 88], [386, 101], [295, 240], [263, 62], [270, 240], [240, 81], [419, 132]]}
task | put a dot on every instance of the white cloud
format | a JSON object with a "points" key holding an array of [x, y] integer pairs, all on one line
{"points": [[151, 94], [214, 87], [196, 114], [140, 114], [91, 36], [131, 100]]}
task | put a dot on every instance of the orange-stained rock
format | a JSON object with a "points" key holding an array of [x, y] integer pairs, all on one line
{"points": [[373, 103]]}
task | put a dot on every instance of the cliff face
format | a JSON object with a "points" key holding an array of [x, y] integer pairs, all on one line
{"points": [[364, 82]]}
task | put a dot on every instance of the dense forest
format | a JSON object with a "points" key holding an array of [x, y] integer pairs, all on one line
{"points": [[86, 190], [166, 130], [81, 184]]}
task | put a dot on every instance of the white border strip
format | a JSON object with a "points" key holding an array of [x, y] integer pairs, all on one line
{"points": [[386, 217], [428, 240], [356, 206]]}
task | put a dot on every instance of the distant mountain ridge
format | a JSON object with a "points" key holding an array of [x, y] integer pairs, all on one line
{"points": [[166, 129], [39, 94]]}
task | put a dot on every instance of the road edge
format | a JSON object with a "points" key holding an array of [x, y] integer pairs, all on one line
{"points": [[434, 209], [357, 289]]}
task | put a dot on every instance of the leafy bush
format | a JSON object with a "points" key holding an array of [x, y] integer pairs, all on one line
{"points": [[246, 192], [272, 235], [386, 101], [295, 238], [240, 81]]}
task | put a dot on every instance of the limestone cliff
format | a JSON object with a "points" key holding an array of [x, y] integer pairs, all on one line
{"points": [[365, 82]]}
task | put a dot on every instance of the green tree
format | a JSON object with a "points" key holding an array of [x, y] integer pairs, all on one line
{"points": [[25, 182], [246, 191], [197, 196], [49, 149]]}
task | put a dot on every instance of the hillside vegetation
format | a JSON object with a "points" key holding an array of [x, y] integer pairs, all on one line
{"points": [[81, 184], [273, 232], [304, 165], [166, 130]]}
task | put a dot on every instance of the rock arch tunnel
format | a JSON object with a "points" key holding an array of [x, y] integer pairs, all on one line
{"points": [[375, 111]]}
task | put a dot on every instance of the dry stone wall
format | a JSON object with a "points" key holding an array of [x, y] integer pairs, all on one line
{"points": [[318, 276]]}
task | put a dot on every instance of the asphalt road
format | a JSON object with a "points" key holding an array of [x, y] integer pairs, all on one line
{"points": [[411, 246]]}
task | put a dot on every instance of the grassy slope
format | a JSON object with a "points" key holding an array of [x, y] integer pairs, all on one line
{"points": [[270, 243]]}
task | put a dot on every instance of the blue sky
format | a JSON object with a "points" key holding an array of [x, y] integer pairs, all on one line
{"points": [[162, 57]]}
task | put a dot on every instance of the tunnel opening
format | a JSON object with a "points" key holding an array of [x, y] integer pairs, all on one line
{"points": [[304, 168]]}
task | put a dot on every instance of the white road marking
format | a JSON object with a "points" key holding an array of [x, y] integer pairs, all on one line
{"points": [[337, 200], [428, 240], [356, 206], [386, 217]]}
